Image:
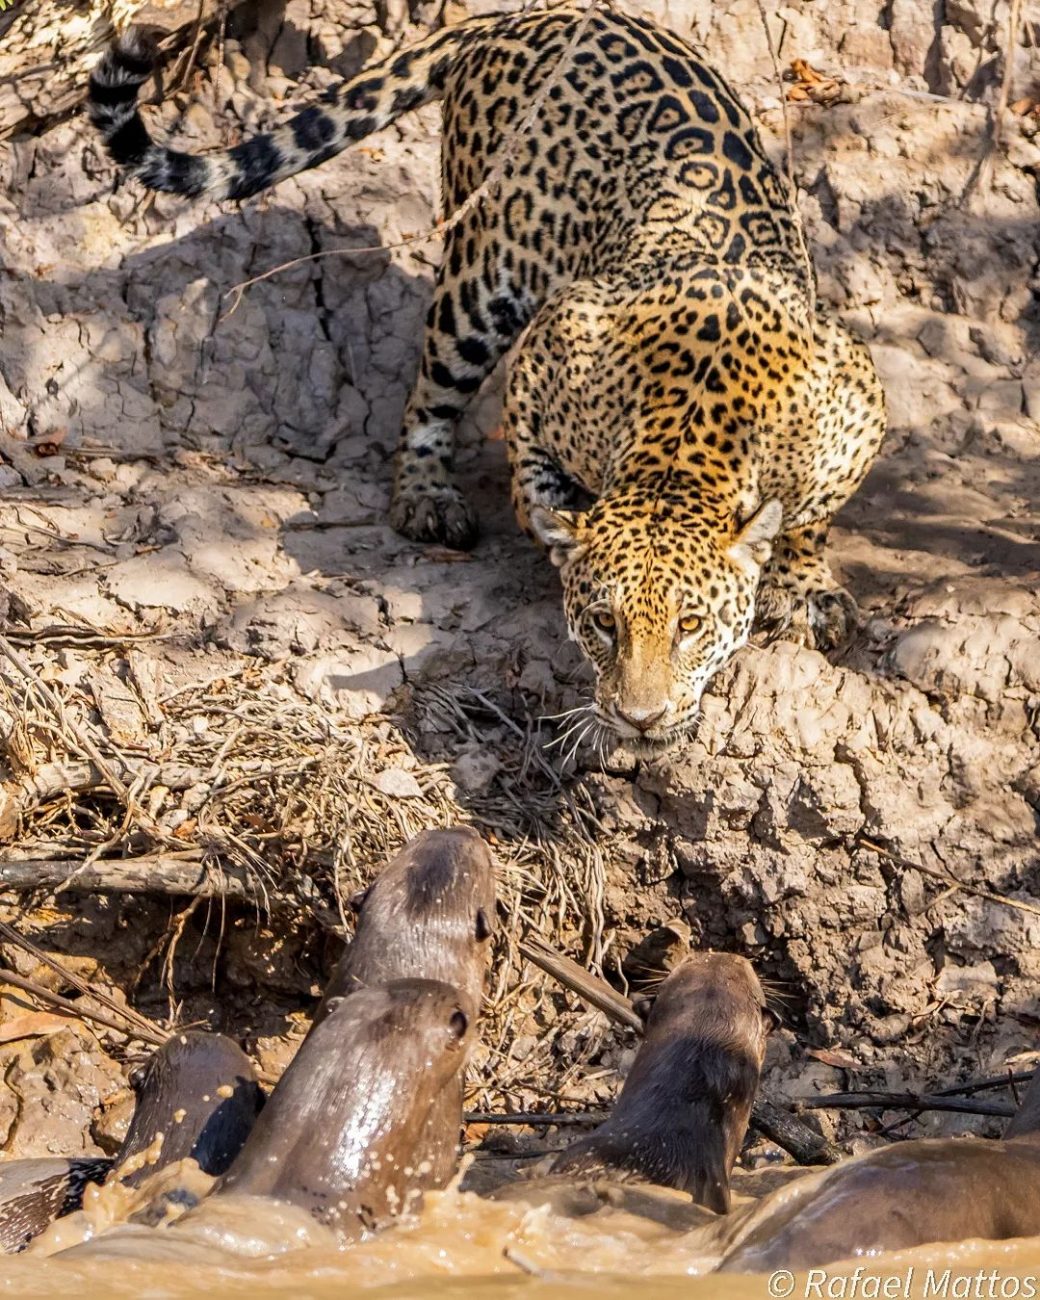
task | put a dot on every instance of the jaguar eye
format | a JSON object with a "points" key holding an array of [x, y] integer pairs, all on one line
{"points": [[688, 624], [605, 621]]}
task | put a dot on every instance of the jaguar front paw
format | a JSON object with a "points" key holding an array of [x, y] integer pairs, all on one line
{"points": [[824, 619], [435, 514], [833, 618]]}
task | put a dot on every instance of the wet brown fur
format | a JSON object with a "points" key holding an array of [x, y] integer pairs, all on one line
{"points": [[199, 1094], [683, 1111], [907, 1194], [342, 1133], [429, 914]]}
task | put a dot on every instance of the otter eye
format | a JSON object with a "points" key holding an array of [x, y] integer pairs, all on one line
{"points": [[689, 623], [605, 622]]}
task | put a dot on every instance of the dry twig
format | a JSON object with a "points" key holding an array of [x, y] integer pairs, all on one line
{"points": [[948, 878], [902, 1101], [77, 1011]]}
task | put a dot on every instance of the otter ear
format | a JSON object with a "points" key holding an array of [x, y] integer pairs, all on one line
{"points": [[557, 530], [752, 545], [357, 901], [642, 1006]]}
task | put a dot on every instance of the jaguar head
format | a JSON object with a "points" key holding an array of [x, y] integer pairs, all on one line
{"points": [[659, 596]]}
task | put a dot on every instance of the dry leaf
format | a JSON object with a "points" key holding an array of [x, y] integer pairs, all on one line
{"points": [[33, 1024], [812, 84], [840, 1060], [805, 72]]}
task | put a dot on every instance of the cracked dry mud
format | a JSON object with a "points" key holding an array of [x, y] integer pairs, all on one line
{"points": [[221, 476]]}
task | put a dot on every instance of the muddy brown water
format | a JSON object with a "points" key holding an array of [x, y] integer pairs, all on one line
{"points": [[467, 1247]]}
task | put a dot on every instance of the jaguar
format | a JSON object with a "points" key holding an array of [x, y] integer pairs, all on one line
{"points": [[683, 416]]}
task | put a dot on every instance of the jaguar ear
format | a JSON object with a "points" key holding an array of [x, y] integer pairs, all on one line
{"points": [[559, 531], [753, 544]]}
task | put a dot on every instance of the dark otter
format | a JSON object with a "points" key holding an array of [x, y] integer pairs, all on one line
{"points": [[683, 1112], [428, 915], [199, 1095], [343, 1132], [196, 1096], [908, 1194], [35, 1192]]}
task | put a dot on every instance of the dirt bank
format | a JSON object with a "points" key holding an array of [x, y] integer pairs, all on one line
{"points": [[196, 567]]}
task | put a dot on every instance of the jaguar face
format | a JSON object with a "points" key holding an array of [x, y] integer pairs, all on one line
{"points": [[659, 600]]}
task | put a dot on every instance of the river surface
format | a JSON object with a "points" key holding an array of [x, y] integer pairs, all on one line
{"points": [[539, 1247]]}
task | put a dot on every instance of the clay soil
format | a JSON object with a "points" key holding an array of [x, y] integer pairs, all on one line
{"points": [[228, 689]]}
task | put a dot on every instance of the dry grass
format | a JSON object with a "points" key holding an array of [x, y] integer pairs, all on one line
{"points": [[244, 772]]}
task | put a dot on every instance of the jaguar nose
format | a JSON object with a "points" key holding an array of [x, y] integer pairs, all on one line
{"points": [[641, 718]]}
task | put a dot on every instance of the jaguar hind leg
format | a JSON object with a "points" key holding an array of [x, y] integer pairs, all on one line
{"points": [[798, 598]]}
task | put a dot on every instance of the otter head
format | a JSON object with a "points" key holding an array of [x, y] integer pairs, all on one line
{"points": [[659, 594]]}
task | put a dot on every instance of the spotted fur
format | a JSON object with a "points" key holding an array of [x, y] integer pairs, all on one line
{"points": [[682, 420]]}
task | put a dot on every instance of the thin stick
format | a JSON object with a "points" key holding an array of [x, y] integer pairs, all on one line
{"points": [[490, 183], [590, 988], [9, 933], [810, 279], [948, 878], [991, 1081], [76, 1010], [62, 633], [995, 126], [783, 98], [1014, 18], [536, 1118], [903, 1101]]}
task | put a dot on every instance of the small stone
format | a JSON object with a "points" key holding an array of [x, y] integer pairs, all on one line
{"points": [[968, 983], [474, 770], [397, 783]]}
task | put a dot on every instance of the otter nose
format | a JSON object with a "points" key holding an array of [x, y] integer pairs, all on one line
{"points": [[640, 718]]}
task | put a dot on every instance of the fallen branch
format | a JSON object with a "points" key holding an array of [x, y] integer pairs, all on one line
{"points": [[159, 873], [78, 1011], [799, 1140], [772, 1121], [903, 1101], [590, 988], [537, 1118], [947, 878], [56, 779], [70, 634]]}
